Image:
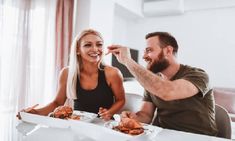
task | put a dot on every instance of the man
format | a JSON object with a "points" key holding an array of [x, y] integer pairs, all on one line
{"points": [[180, 93]]}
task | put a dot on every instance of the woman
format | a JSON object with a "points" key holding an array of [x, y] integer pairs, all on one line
{"points": [[92, 86]]}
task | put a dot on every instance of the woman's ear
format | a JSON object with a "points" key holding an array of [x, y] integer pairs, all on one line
{"points": [[78, 52]]}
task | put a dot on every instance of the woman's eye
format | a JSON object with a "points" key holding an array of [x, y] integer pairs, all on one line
{"points": [[87, 45], [99, 45]]}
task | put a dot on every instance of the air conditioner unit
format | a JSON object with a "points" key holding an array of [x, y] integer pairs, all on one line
{"points": [[163, 7]]}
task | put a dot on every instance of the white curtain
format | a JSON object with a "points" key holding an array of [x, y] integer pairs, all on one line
{"points": [[27, 59]]}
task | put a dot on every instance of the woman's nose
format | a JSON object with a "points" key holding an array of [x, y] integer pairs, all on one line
{"points": [[95, 48]]}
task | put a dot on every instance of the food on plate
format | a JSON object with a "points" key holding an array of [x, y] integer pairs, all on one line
{"points": [[75, 117], [129, 126], [64, 112]]}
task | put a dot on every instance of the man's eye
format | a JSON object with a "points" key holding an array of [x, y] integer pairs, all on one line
{"points": [[148, 50]]}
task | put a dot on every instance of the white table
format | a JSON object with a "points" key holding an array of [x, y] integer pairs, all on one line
{"points": [[173, 135], [92, 132]]}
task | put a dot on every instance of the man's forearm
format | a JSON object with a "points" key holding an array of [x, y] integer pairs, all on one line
{"points": [[147, 79], [144, 117]]}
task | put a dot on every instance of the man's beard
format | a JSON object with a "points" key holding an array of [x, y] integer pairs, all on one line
{"points": [[161, 64]]}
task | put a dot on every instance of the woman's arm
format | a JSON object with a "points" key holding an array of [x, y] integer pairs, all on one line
{"points": [[60, 97], [115, 81]]}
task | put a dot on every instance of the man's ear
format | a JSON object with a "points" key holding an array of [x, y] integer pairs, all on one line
{"points": [[169, 50]]}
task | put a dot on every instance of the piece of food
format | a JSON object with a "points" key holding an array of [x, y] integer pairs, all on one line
{"points": [[75, 117], [62, 112], [130, 123], [129, 126], [136, 131]]}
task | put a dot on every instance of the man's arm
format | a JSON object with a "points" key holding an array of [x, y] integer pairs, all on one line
{"points": [[145, 114], [163, 88]]}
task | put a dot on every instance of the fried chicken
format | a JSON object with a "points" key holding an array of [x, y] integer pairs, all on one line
{"points": [[130, 126], [62, 112]]}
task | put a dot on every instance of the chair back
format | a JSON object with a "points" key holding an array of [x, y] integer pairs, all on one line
{"points": [[223, 122], [226, 98], [133, 102]]}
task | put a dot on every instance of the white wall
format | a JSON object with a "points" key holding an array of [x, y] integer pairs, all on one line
{"points": [[101, 19], [205, 38], [134, 6], [97, 15], [82, 14], [204, 33]]}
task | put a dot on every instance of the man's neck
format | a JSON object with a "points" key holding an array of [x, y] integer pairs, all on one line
{"points": [[171, 70]]}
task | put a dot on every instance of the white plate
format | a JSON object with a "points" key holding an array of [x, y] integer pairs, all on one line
{"points": [[85, 116], [147, 128], [44, 120], [55, 122]]}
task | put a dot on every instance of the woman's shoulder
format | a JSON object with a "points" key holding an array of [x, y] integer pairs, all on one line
{"points": [[111, 71], [64, 71]]}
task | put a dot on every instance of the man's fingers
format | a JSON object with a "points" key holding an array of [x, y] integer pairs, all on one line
{"points": [[114, 51], [113, 47], [107, 53], [125, 114], [131, 116]]}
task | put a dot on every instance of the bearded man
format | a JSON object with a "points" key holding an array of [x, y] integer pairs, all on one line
{"points": [[179, 93]]}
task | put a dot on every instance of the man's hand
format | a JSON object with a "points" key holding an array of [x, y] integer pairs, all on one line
{"points": [[128, 114], [121, 53]]}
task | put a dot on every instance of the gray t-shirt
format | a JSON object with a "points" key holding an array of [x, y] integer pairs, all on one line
{"points": [[195, 114]]}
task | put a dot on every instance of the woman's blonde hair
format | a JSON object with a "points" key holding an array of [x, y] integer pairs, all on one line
{"points": [[75, 63]]}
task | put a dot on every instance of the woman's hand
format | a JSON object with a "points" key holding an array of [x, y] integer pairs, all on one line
{"points": [[28, 110], [105, 114]]}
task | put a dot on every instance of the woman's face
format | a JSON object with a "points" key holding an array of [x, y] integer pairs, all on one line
{"points": [[91, 48]]}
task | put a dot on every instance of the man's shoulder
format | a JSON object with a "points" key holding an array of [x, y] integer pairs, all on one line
{"points": [[198, 77], [187, 69]]}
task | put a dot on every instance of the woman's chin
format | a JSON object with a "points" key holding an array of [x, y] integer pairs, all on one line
{"points": [[95, 60]]}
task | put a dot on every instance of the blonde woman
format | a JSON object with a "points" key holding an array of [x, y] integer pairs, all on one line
{"points": [[92, 86]]}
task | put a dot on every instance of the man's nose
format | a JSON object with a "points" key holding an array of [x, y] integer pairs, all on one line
{"points": [[145, 56]]}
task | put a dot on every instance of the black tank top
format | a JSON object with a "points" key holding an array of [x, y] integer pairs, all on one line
{"points": [[92, 100]]}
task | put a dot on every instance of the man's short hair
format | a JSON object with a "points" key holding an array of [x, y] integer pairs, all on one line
{"points": [[165, 39]]}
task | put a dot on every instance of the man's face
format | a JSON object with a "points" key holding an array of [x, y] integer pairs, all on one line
{"points": [[154, 55]]}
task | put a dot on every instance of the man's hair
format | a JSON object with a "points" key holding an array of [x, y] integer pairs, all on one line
{"points": [[165, 39]]}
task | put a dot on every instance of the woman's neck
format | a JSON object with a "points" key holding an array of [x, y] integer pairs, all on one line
{"points": [[89, 68]]}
